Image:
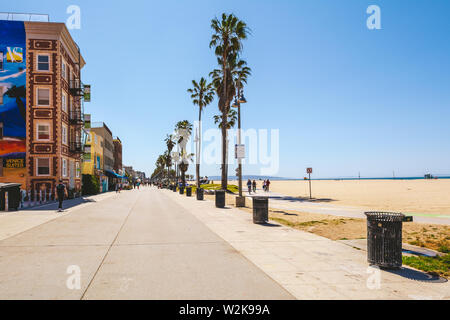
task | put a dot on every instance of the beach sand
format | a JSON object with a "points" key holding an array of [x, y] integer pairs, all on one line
{"points": [[407, 196]]}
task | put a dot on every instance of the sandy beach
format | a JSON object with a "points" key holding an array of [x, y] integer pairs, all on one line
{"points": [[407, 196]]}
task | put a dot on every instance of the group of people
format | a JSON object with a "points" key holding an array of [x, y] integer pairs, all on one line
{"points": [[252, 185]]}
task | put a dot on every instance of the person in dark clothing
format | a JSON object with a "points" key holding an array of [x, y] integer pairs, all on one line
{"points": [[60, 192], [249, 185], [254, 186]]}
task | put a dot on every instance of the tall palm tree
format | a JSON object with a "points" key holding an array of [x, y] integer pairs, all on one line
{"points": [[167, 162], [202, 94], [170, 145], [228, 33]]}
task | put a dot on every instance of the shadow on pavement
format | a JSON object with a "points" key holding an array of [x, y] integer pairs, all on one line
{"points": [[67, 204], [416, 275]]}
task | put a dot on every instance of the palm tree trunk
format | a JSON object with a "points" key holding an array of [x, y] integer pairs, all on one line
{"points": [[224, 151]]}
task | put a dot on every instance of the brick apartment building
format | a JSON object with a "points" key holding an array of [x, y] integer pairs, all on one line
{"points": [[41, 131], [117, 155]]}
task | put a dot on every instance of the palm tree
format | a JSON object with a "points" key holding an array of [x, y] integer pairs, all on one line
{"points": [[226, 40], [167, 162], [18, 93], [231, 119], [170, 144], [202, 94]]}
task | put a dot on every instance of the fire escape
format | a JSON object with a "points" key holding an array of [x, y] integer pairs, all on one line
{"points": [[76, 114]]}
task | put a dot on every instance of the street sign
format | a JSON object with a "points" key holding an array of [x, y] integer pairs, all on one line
{"points": [[239, 151], [87, 93], [309, 171]]}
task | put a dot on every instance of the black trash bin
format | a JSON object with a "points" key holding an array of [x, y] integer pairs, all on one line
{"points": [[260, 210], [10, 196], [174, 188], [384, 239], [188, 191], [181, 190], [220, 198], [200, 194]]}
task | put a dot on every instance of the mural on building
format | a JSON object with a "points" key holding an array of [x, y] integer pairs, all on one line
{"points": [[12, 95]]}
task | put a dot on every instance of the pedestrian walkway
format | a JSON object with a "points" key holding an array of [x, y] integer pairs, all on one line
{"points": [[310, 266], [139, 244], [283, 202]]}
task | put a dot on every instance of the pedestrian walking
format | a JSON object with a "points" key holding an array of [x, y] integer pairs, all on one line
{"points": [[61, 190], [249, 185], [264, 185], [254, 186], [267, 185]]}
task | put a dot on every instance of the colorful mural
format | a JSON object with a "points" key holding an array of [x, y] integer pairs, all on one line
{"points": [[12, 94]]}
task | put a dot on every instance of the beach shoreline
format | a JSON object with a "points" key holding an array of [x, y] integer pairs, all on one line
{"points": [[421, 196]]}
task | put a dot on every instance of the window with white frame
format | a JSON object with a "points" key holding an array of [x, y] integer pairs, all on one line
{"points": [[43, 131], [43, 96], [63, 69], [43, 62], [64, 167], [64, 134], [70, 104], [64, 101], [43, 166]]}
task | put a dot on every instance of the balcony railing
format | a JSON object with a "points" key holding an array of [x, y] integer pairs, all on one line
{"points": [[76, 147], [76, 117], [76, 87]]}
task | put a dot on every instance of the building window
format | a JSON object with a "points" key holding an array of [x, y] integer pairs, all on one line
{"points": [[43, 62], [43, 96], [64, 168], [63, 70], [43, 131], [64, 101], [64, 134], [43, 166], [77, 169]]}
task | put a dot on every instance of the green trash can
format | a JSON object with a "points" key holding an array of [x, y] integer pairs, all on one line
{"points": [[200, 193], [220, 198], [188, 191]]}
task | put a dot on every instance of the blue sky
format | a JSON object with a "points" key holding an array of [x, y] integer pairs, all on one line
{"points": [[345, 99]]}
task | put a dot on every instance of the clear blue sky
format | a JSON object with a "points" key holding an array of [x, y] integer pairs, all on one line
{"points": [[345, 98]]}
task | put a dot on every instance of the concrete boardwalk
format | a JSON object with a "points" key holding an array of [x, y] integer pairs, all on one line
{"points": [[134, 245], [283, 202], [157, 244]]}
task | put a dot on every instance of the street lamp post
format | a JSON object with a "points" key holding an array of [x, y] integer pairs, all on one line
{"points": [[240, 201]]}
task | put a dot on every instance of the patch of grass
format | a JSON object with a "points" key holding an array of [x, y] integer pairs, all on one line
{"points": [[231, 187], [443, 248], [434, 265]]}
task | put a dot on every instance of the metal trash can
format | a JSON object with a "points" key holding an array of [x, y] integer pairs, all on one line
{"points": [[10, 196], [181, 190], [260, 210], [384, 239], [174, 188], [220, 198], [200, 194], [188, 191]]}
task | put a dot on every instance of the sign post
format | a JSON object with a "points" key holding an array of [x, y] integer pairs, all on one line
{"points": [[309, 171]]}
